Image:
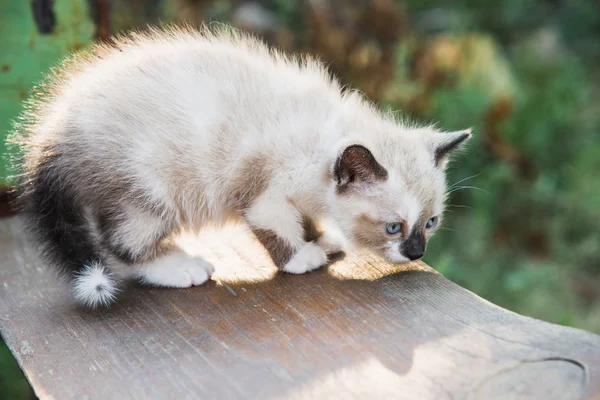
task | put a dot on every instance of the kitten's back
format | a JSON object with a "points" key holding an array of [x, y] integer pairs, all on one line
{"points": [[161, 123]]}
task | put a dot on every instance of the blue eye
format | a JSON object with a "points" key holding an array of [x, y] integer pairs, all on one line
{"points": [[393, 227], [431, 223]]}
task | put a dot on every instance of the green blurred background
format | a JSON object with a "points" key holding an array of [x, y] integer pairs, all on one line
{"points": [[522, 228]]}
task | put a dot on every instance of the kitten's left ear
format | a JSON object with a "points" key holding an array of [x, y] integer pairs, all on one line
{"points": [[444, 144], [356, 167]]}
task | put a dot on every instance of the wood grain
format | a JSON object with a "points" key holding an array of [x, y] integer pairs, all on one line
{"points": [[358, 329]]}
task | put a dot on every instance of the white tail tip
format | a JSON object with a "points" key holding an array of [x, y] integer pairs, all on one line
{"points": [[94, 286]]}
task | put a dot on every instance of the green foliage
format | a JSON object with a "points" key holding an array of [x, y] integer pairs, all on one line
{"points": [[13, 384]]}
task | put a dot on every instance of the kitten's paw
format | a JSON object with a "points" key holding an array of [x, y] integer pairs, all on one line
{"points": [[176, 271], [331, 243], [198, 270], [308, 258]]}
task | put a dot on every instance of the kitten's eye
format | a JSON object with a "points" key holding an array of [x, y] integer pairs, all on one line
{"points": [[393, 228], [431, 223]]}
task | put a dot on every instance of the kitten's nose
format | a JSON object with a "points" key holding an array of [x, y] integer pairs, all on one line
{"points": [[414, 256], [414, 246]]}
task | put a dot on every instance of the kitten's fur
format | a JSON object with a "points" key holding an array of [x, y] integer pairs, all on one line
{"points": [[168, 131]]}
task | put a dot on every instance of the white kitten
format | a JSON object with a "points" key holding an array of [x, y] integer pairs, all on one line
{"points": [[171, 130]]}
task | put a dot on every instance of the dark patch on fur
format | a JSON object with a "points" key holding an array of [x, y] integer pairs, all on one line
{"points": [[357, 165], [250, 182], [109, 222], [311, 232], [56, 220], [371, 233], [278, 249], [446, 148]]}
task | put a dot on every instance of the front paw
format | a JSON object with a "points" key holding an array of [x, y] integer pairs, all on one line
{"points": [[308, 258], [330, 242]]}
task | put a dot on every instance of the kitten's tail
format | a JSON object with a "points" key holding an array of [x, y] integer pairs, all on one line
{"points": [[58, 223]]}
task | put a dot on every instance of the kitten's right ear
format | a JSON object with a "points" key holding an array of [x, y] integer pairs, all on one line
{"points": [[355, 166], [444, 144]]}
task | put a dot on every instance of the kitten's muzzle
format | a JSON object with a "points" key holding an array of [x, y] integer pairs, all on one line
{"points": [[414, 247]]}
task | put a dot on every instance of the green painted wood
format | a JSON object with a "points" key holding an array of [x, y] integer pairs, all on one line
{"points": [[26, 53]]}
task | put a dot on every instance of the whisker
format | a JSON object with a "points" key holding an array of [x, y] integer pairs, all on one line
{"points": [[459, 206], [447, 229], [468, 187], [462, 180]]}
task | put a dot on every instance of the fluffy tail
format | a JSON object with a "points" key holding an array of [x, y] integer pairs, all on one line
{"points": [[59, 225]]}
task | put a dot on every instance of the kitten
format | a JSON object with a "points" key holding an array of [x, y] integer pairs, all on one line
{"points": [[164, 132]]}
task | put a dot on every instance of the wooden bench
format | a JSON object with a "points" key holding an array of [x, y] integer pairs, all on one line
{"points": [[360, 329]]}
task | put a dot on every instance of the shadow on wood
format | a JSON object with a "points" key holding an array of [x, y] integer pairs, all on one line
{"points": [[359, 329]]}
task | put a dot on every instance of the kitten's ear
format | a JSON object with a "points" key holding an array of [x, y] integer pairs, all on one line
{"points": [[356, 165], [444, 144]]}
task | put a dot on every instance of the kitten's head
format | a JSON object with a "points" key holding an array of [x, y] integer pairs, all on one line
{"points": [[389, 196]]}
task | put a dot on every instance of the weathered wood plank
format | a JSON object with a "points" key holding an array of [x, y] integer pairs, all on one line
{"points": [[359, 329]]}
